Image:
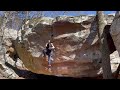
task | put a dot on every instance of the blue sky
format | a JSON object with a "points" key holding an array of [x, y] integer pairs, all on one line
{"points": [[94, 12], [74, 13], [70, 13]]}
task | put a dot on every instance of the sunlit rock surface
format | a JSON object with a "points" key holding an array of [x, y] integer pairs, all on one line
{"points": [[76, 49]]}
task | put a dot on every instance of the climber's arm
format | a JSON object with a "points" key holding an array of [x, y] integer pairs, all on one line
{"points": [[46, 45], [53, 47]]}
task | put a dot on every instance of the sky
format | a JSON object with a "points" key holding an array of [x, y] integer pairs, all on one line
{"points": [[74, 13], [69, 13]]}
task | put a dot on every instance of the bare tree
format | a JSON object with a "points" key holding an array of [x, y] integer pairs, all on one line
{"points": [[106, 66]]}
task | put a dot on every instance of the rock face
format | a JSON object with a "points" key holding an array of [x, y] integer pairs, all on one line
{"points": [[115, 30], [76, 48], [7, 64], [115, 33]]}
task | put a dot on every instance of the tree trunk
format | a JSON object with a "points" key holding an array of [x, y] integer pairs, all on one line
{"points": [[106, 66]]}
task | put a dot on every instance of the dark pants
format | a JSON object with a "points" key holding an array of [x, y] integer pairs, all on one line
{"points": [[48, 52]]}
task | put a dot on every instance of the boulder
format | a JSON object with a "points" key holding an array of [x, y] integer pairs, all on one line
{"points": [[115, 30], [76, 49], [7, 64]]}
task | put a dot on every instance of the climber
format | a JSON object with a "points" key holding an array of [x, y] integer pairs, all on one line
{"points": [[49, 51]]}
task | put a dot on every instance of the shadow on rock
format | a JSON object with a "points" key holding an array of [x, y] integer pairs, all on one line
{"points": [[22, 73], [30, 75]]}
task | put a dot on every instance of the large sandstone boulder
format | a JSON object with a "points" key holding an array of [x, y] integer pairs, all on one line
{"points": [[76, 48]]}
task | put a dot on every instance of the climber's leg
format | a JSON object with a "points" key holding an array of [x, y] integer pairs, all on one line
{"points": [[49, 60], [44, 53]]}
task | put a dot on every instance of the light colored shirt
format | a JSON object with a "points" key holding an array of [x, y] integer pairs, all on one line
{"points": [[51, 46]]}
